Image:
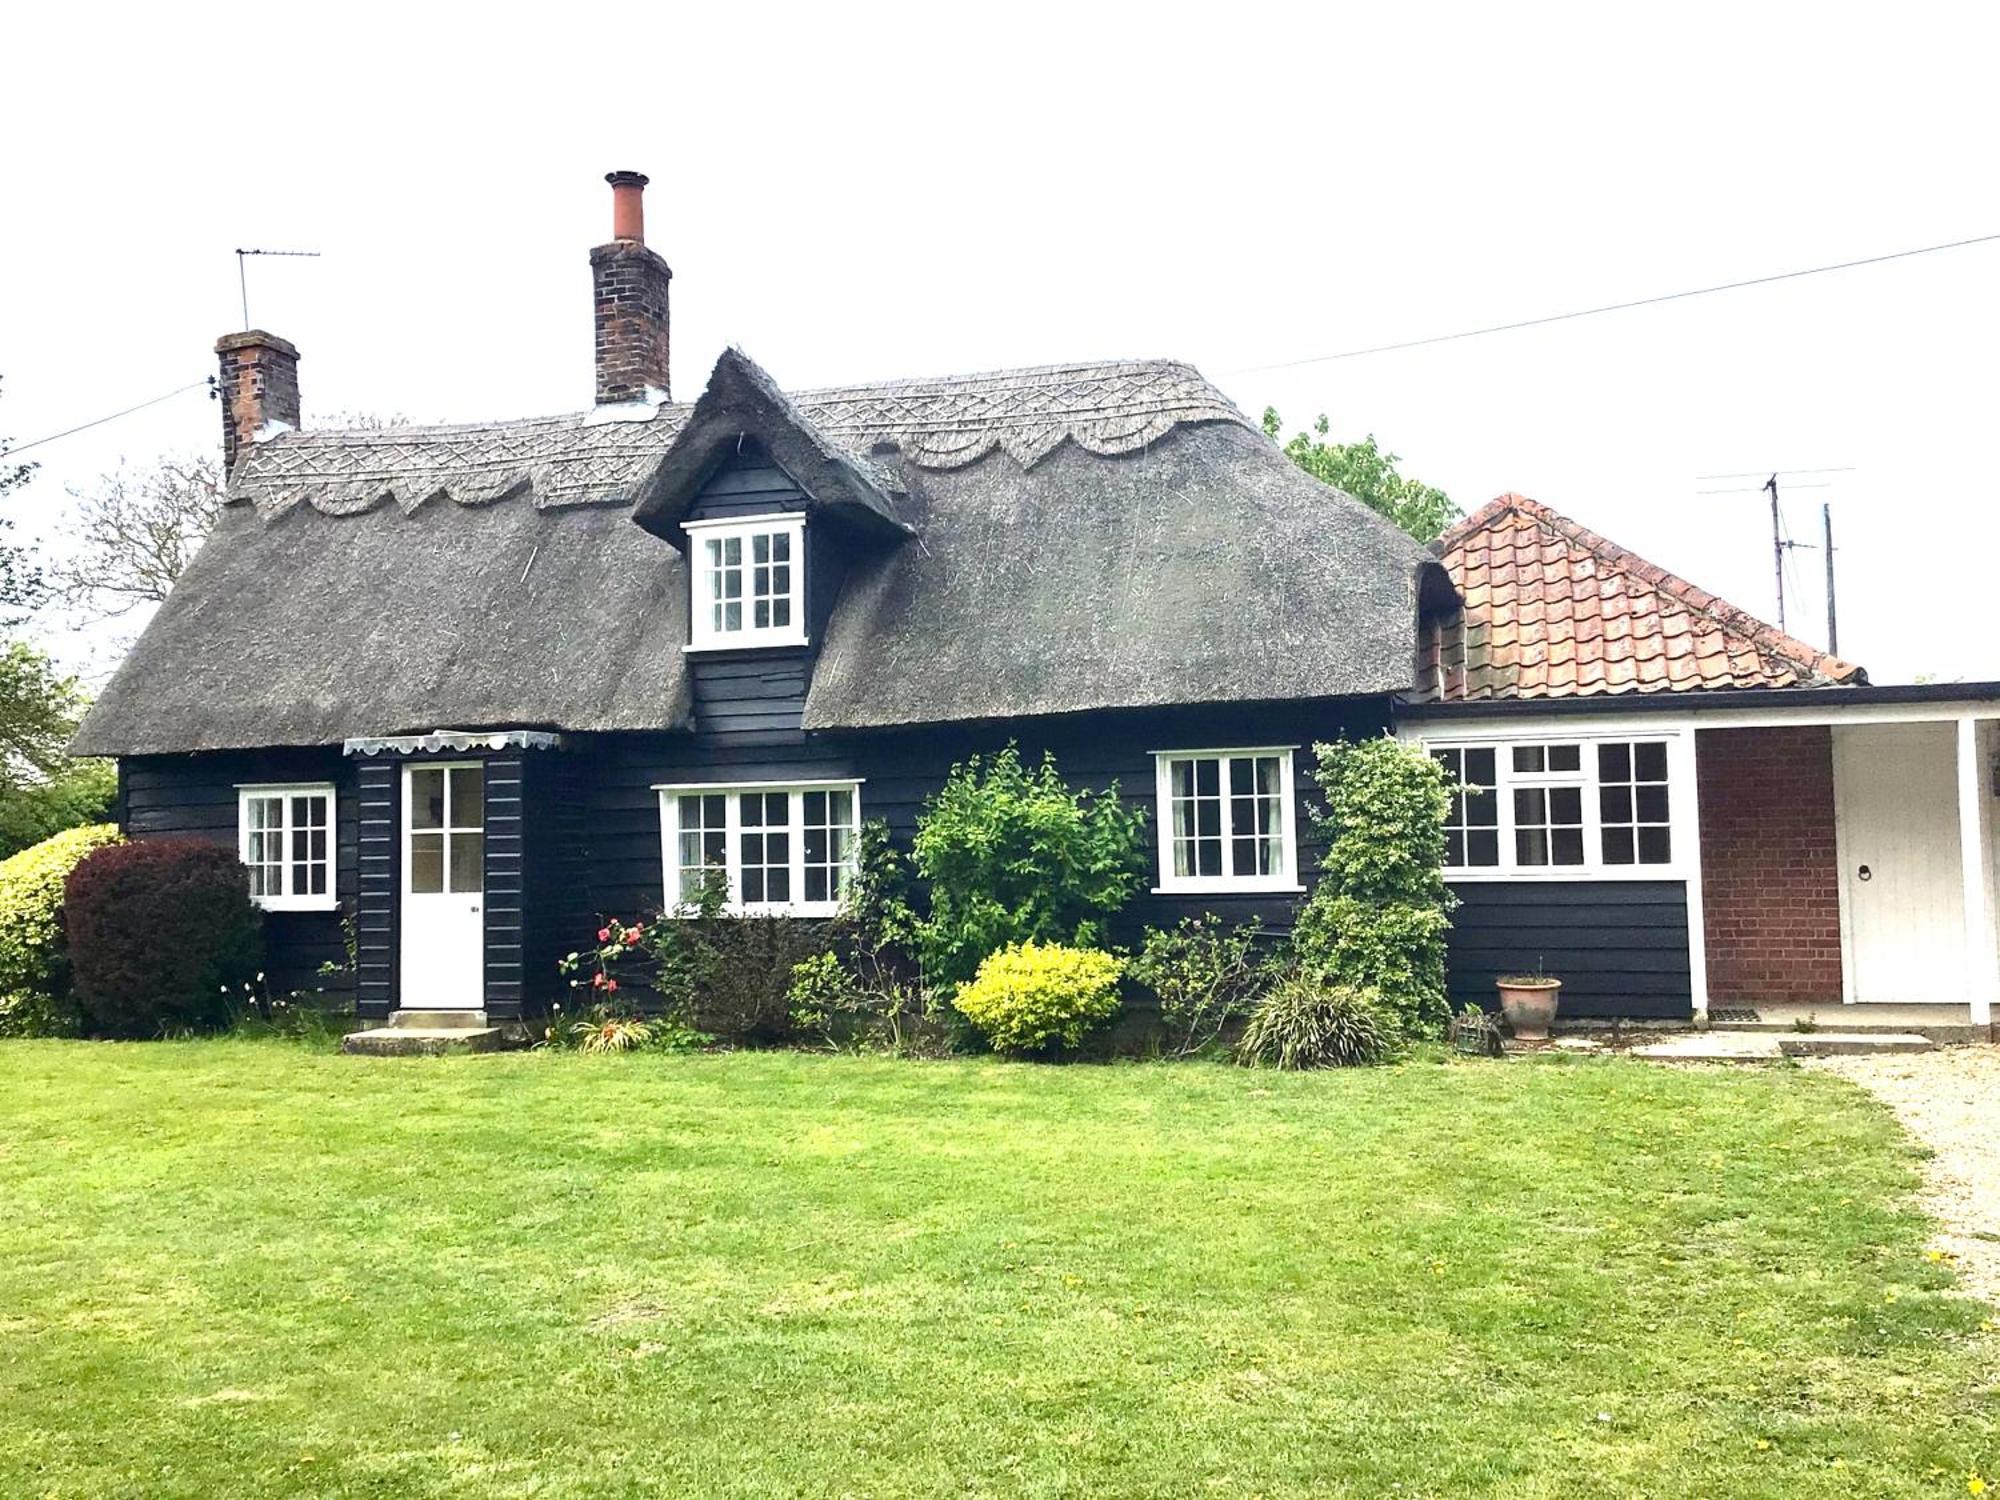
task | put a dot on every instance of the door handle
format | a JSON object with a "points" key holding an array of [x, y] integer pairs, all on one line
{"points": [[1865, 873]]}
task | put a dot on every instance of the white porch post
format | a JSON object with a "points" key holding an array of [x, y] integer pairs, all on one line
{"points": [[1982, 965], [1685, 813]]}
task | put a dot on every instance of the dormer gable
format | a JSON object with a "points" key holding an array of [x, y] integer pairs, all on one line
{"points": [[741, 406]]}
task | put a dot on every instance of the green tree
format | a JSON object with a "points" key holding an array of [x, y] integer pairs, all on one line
{"points": [[21, 585], [1364, 471], [43, 791]]}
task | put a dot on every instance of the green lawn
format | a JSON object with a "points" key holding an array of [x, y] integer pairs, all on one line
{"points": [[234, 1268]]}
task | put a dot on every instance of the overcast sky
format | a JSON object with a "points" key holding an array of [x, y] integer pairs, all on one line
{"points": [[854, 193]]}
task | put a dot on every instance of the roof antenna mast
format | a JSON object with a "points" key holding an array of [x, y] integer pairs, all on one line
{"points": [[243, 283]]}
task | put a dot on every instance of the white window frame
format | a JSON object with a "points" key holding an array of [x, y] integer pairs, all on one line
{"points": [[285, 791], [1285, 881], [670, 795], [1680, 786], [702, 634]]}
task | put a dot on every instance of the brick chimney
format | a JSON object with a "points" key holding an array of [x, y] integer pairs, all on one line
{"points": [[631, 286], [259, 387]]}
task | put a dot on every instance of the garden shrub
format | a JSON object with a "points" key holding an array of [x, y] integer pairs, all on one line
{"points": [[1033, 997], [1207, 975], [1012, 855], [866, 988], [162, 935], [35, 997], [728, 977], [1378, 917], [1303, 1023]]}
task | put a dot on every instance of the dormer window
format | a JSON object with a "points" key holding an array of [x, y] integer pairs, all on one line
{"points": [[748, 582]]}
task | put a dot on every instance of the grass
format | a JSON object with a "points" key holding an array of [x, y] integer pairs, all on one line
{"points": [[233, 1268]]}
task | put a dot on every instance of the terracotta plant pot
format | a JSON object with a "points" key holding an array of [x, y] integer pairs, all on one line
{"points": [[1529, 1006]]}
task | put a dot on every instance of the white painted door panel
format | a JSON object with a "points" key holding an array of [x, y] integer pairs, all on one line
{"points": [[1897, 790], [444, 888]]}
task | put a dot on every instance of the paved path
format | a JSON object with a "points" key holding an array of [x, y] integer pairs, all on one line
{"points": [[1950, 1100]]}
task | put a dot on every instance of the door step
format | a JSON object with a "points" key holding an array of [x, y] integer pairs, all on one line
{"points": [[425, 1033], [1851, 1043], [437, 1020]]}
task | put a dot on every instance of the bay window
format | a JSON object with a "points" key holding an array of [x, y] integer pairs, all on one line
{"points": [[284, 836], [1225, 820], [1582, 807], [787, 849]]}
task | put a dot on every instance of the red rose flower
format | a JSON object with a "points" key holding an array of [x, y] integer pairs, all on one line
{"points": [[632, 937], [610, 986], [604, 934]]}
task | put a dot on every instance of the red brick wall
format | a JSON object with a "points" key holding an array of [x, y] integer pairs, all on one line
{"points": [[1770, 894]]}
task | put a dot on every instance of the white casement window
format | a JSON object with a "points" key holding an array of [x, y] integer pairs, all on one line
{"points": [[284, 836], [1226, 821], [782, 848], [748, 582], [1561, 808]]}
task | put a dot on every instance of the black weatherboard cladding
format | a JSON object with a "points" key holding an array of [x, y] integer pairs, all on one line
{"points": [[1620, 947], [195, 796]]}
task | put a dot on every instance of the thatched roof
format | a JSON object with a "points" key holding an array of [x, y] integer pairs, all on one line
{"points": [[1084, 536]]}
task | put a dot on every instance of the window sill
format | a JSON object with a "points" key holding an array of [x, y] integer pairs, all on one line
{"points": [[796, 909], [1229, 888], [1559, 873], [296, 903], [759, 643]]}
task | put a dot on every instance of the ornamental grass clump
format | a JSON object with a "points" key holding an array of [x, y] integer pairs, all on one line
{"points": [[1036, 998], [35, 998], [1302, 1023]]}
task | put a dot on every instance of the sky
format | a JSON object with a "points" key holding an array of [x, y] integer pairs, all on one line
{"points": [[860, 192]]}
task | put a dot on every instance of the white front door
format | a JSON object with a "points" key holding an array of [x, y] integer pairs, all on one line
{"points": [[444, 887], [1902, 886]]}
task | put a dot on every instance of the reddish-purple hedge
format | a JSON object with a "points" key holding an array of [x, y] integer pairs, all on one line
{"points": [[158, 931]]}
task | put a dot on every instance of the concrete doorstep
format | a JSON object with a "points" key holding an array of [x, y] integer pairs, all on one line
{"points": [[1769, 1047], [425, 1033]]}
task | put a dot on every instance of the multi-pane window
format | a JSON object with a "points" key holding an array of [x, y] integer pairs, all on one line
{"points": [[765, 843], [789, 848], [1548, 806], [285, 840], [1547, 783], [1632, 803], [1472, 824], [702, 845], [1225, 819], [746, 582], [447, 830]]}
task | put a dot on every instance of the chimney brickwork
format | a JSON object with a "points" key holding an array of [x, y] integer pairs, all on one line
{"points": [[259, 388], [631, 290]]}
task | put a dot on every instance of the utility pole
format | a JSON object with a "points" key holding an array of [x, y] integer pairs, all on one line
{"points": [[1777, 549], [1832, 618]]}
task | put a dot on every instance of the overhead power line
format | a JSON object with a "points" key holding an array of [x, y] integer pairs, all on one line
{"points": [[7, 453], [1611, 307]]}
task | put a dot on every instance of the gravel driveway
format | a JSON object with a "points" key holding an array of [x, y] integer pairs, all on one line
{"points": [[1950, 1100]]}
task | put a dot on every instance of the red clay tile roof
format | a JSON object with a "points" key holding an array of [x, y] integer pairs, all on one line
{"points": [[1554, 611]]}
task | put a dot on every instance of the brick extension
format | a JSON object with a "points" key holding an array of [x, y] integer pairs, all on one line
{"points": [[1769, 868]]}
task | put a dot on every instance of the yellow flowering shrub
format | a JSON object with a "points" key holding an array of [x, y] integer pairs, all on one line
{"points": [[1030, 996], [34, 964]]}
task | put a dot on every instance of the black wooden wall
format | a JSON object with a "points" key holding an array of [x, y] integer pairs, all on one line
{"points": [[380, 859], [1620, 947], [195, 796]]}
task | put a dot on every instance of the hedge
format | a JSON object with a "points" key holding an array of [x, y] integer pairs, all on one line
{"points": [[35, 997], [163, 936]]}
